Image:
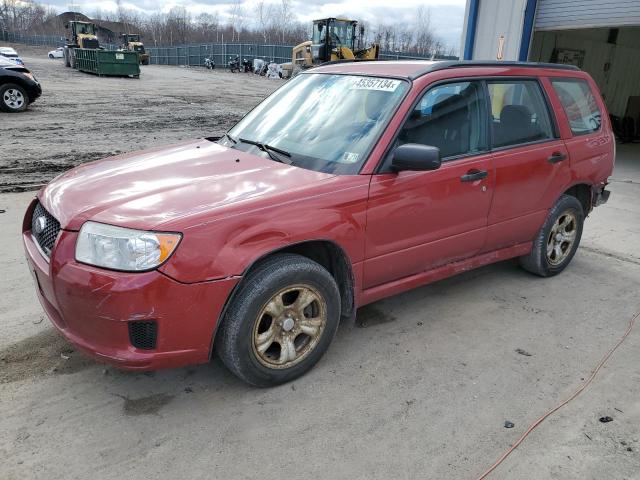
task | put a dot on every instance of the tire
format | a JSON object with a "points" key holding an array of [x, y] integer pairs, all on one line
{"points": [[13, 98], [51, 56], [66, 55], [244, 342], [145, 62], [550, 254]]}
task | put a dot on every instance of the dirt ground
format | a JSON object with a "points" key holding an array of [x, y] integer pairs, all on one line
{"points": [[419, 388], [82, 117]]}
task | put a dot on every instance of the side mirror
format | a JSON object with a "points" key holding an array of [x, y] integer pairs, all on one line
{"points": [[414, 156]]}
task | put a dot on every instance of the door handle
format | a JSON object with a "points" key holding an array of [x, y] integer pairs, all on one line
{"points": [[557, 157], [473, 175]]}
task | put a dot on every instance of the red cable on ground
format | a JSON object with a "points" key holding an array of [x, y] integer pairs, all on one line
{"points": [[555, 409]]}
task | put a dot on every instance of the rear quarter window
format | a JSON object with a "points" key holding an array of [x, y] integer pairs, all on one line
{"points": [[579, 104]]}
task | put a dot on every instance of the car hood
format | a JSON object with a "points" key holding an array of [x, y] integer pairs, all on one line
{"points": [[152, 188]]}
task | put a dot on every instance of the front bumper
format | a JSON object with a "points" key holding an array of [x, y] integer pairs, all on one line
{"points": [[92, 308], [34, 91]]}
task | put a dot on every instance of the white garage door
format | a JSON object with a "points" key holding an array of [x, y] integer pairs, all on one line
{"points": [[567, 14]]}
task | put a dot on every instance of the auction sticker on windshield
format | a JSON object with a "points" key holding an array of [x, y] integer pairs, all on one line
{"points": [[380, 84]]}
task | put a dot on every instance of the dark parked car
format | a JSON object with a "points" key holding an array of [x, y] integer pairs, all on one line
{"points": [[353, 182], [18, 87]]}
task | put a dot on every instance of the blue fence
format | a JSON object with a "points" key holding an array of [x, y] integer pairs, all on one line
{"points": [[194, 54]]}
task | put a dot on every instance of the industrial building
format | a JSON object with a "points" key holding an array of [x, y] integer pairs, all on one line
{"points": [[601, 37]]}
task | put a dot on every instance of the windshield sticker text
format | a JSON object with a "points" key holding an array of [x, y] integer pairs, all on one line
{"points": [[381, 84], [350, 157]]}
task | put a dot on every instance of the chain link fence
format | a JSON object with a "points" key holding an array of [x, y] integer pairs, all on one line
{"points": [[221, 53], [48, 40], [194, 54], [41, 40]]}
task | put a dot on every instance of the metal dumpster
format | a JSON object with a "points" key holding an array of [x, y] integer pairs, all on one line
{"points": [[107, 62]]}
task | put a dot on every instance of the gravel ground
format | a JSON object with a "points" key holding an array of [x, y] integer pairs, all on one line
{"points": [[420, 388], [82, 117]]}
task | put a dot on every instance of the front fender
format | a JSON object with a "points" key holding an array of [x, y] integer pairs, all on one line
{"points": [[227, 246]]}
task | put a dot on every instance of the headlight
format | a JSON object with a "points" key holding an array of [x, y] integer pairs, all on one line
{"points": [[122, 248]]}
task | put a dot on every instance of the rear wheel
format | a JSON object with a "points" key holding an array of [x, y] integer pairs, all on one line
{"points": [[67, 59], [281, 321], [558, 239], [13, 98]]}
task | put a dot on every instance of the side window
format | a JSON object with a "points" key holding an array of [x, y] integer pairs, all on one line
{"points": [[450, 117], [519, 113], [579, 104]]}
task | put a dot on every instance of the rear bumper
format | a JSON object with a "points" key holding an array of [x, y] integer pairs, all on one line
{"points": [[601, 196], [92, 308]]}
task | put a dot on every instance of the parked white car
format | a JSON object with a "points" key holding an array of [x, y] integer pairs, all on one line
{"points": [[57, 53], [11, 55]]}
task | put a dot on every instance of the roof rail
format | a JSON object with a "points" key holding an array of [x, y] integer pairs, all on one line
{"points": [[350, 60], [442, 65]]}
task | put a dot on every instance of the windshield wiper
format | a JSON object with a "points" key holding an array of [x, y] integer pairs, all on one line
{"points": [[269, 150], [233, 140]]}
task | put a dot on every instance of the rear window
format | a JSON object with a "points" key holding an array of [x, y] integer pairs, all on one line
{"points": [[579, 104]]}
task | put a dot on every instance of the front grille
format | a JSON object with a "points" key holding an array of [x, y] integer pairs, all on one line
{"points": [[90, 43], [44, 228], [143, 334]]}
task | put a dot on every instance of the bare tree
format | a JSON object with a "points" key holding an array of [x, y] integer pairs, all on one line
{"points": [[236, 19], [285, 17]]}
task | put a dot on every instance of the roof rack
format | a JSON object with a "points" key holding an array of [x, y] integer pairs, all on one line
{"points": [[350, 60], [444, 64]]}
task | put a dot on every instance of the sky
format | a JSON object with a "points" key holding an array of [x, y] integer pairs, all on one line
{"points": [[446, 15]]}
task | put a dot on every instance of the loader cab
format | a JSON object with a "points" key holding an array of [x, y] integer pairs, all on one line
{"points": [[131, 38], [332, 39], [131, 42], [83, 34]]}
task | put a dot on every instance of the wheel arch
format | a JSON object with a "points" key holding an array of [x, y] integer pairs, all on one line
{"points": [[584, 193], [323, 251]]}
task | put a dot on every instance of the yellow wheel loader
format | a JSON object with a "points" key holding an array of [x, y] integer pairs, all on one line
{"points": [[333, 39], [131, 43], [83, 35]]}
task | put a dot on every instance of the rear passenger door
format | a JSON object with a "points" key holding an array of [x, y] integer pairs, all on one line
{"points": [[530, 160]]}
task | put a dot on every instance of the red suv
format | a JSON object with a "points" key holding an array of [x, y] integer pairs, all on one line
{"points": [[352, 182]]}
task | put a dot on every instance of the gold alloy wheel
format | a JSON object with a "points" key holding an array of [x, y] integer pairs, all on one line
{"points": [[289, 326], [561, 238]]}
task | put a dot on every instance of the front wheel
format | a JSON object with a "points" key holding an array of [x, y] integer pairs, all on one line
{"points": [[51, 56], [558, 239], [13, 98], [280, 322]]}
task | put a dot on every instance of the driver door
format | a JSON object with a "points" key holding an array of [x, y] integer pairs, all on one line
{"points": [[419, 220]]}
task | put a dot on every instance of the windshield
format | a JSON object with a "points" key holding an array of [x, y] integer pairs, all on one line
{"points": [[327, 123], [340, 33], [86, 29]]}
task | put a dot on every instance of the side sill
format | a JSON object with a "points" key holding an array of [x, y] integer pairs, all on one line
{"points": [[419, 279]]}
